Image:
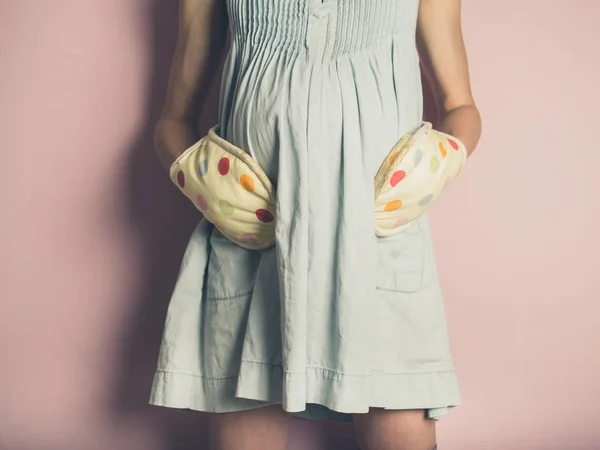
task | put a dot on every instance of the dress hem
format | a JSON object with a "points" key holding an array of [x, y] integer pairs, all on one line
{"points": [[316, 395]]}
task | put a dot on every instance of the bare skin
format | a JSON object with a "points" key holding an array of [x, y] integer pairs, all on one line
{"points": [[442, 51], [382, 429], [259, 429], [200, 47], [203, 27]]}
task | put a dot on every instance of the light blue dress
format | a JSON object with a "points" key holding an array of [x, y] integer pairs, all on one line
{"points": [[333, 320]]}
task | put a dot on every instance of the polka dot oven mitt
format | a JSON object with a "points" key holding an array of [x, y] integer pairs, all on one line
{"points": [[413, 175], [230, 189]]}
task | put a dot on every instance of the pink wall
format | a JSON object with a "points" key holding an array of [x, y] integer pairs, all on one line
{"points": [[92, 231]]}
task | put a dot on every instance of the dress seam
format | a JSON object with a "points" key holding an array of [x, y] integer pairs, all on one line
{"points": [[195, 375], [290, 372], [229, 297]]}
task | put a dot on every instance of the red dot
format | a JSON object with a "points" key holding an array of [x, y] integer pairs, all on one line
{"points": [[453, 144], [264, 216], [181, 178], [397, 177], [224, 166]]}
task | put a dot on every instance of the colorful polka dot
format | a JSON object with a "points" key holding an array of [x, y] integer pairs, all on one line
{"points": [[202, 202], [226, 207], [402, 222], [249, 238], [224, 166], [393, 157], [434, 164], [203, 167], [453, 144], [264, 216], [247, 182], [393, 205], [397, 177], [181, 178], [442, 149], [425, 200], [418, 157]]}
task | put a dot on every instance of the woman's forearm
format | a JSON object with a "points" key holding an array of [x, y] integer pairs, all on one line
{"points": [[200, 46], [444, 57]]}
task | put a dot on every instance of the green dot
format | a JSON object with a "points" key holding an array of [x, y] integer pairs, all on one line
{"points": [[226, 207], [434, 164]]}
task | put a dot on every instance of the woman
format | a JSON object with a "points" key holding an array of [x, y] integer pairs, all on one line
{"points": [[332, 322]]}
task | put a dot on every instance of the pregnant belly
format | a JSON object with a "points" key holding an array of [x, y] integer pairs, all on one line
{"points": [[320, 110]]}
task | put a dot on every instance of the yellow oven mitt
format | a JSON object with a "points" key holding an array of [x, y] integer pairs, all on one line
{"points": [[413, 175], [232, 191]]}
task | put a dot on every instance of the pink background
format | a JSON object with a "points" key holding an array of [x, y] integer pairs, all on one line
{"points": [[92, 231]]}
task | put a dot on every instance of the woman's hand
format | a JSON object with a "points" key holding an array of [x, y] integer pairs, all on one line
{"points": [[442, 51], [202, 37]]}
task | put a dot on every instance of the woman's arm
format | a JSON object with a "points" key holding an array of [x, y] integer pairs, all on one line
{"points": [[200, 45], [442, 52]]}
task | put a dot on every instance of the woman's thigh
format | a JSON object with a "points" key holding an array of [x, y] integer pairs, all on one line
{"points": [[383, 429], [263, 428]]}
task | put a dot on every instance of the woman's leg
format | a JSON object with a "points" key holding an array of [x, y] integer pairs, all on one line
{"points": [[263, 428], [383, 429]]}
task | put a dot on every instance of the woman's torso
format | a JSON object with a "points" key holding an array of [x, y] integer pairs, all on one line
{"points": [[313, 66]]}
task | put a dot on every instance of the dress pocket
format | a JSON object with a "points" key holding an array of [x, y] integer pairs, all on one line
{"points": [[223, 336], [231, 269], [401, 259]]}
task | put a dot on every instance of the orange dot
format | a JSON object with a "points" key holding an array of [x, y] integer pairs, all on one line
{"points": [[393, 205], [442, 149], [393, 157], [247, 182]]}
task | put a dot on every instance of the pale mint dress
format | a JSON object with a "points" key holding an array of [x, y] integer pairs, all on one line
{"points": [[332, 320]]}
